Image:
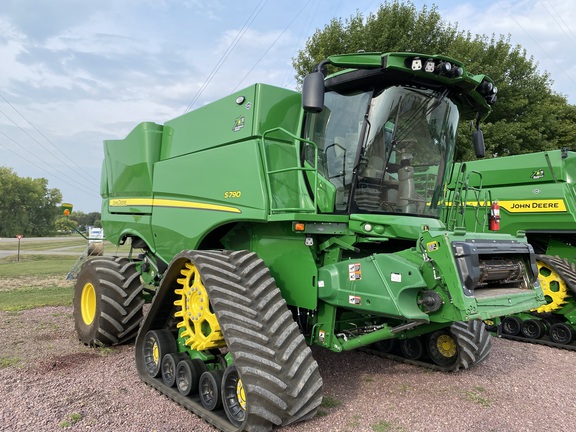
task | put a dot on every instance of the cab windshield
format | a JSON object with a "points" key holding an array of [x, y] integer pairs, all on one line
{"points": [[385, 152]]}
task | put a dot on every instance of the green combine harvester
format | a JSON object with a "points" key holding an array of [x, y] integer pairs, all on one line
{"points": [[535, 194], [269, 221]]}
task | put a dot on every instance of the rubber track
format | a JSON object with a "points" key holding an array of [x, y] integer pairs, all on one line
{"points": [[563, 267], [474, 345], [546, 342], [281, 378], [567, 271], [118, 284]]}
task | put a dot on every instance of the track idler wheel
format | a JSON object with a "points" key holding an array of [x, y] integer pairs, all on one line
{"points": [[233, 396], [157, 343], [533, 329], [511, 326], [562, 333], [210, 389], [442, 348], [412, 349], [188, 373]]}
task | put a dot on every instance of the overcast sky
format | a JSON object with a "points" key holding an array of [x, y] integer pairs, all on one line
{"points": [[76, 72]]}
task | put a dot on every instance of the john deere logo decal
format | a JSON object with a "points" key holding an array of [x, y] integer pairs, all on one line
{"points": [[238, 124], [538, 174]]}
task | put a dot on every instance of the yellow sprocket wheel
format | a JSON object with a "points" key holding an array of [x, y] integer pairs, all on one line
{"points": [[553, 286], [201, 328]]}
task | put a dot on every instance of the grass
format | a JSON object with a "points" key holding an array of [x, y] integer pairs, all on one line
{"points": [[30, 298], [36, 266], [330, 402], [385, 426], [8, 361], [35, 281], [476, 396], [72, 419]]}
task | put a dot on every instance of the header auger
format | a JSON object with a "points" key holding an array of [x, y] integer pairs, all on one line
{"points": [[269, 221]]}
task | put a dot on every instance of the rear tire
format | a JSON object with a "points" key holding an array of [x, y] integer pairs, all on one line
{"points": [[108, 301]]}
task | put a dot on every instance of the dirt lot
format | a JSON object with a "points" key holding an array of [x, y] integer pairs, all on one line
{"points": [[50, 382]]}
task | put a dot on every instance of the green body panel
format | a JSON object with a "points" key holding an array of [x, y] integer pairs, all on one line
{"points": [[237, 174], [367, 285]]}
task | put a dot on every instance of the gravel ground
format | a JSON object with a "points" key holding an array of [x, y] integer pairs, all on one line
{"points": [[51, 382]]}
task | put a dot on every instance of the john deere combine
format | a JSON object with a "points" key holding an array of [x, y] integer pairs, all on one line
{"points": [[270, 220], [533, 193]]}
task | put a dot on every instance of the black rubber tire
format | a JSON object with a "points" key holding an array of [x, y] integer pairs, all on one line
{"points": [[117, 310], [412, 349], [280, 377], [157, 343], [533, 329], [561, 333], [440, 355], [511, 326], [188, 372], [235, 412], [168, 368], [384, 346], [210, 389], [473, 341]]}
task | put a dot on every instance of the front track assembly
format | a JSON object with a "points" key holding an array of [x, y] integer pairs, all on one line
{"points": [[262, 376], [457, 347]]}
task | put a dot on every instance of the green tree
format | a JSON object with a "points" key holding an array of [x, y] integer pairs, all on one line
{"points": [[85, 220], [63, 224], [528, 116], [27, 205]]}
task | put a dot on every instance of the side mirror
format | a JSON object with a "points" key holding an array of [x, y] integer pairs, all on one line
{"points": [[478, 140], [313, 92]]}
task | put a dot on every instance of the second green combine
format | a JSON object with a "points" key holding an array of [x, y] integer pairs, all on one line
{"points": [[535, 194]]}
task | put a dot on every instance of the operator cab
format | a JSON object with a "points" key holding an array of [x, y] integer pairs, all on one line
{"points": [[385, 150]]}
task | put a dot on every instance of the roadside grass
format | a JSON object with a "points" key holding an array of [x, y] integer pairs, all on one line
{"points": [[31, 266], [35, 281], [36, 244], [23, 299]]}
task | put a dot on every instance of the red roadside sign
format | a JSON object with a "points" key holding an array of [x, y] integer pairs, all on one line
{"points": [[19, 236]]}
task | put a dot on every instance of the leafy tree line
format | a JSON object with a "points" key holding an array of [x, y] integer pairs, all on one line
{"points": [[79, 220], [528, 115], [27, 206], [30, 208]]}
